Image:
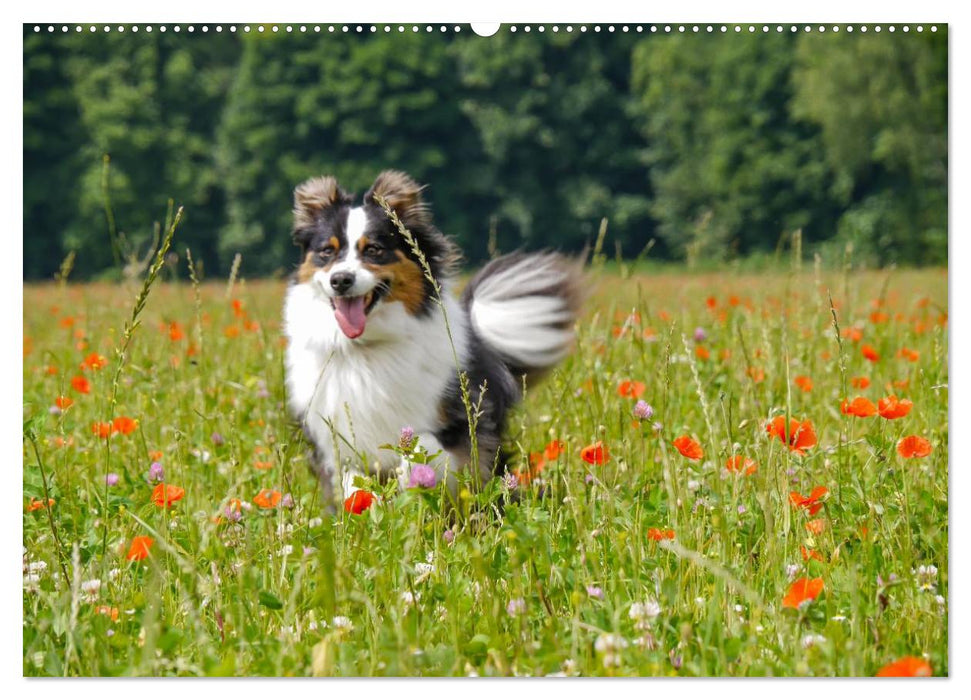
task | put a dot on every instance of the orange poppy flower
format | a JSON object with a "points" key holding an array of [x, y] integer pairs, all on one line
{"points": [[738, 463], [109, 611], [799, 436], [804, 383], [358, 502], [860, 407], [176, 332], [139, 548], [711, 302], [811, 502], [870, 354], [238, 308], [50, 370], [63, 402], [756, 373], [37, 505], [231, 331], [891, 407], [914, 446], [879, 317], [853, 333], [267, 498], [164, 495], [817, 526], [597, 453], [553, 450], [808, 554], [906, 666], [631, 389], [860, 382], [124, 425], [67, 322], [689, 447], [802, 591], [657, 534], [102, 430], [701, 352], [908, 354], [81, 385], [94, 361], [262, 465]]}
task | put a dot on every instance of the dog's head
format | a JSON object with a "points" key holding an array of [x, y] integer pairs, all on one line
{"points": [[355, 255]]}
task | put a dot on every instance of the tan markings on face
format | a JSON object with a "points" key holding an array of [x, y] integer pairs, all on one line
{"points": [[405, 279], [310, 265]]}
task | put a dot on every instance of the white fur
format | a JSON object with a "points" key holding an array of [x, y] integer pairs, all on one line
{"points": [[364, 279], [512, 316], [356, 395]]}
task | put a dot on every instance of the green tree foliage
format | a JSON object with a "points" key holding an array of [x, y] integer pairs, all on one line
{"points": [[881, 103], [732, 171]]}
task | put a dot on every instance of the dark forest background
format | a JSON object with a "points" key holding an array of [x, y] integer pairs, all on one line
{"points": [[715, 147]]}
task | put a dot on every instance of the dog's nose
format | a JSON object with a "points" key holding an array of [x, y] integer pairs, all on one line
{"points": [[342, 281]]}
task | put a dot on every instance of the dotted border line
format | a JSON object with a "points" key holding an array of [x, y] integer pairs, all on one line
{"points": [[414, 28]]}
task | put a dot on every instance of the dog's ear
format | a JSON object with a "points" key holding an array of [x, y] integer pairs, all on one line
{"points": [[310, 198], [403, 195]]}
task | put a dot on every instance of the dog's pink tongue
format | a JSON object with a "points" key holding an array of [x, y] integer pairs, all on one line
{"points": [[350, 315]]}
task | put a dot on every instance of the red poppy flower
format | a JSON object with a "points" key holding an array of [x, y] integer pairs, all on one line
{"points": [[81, 385], [914, 446], [861, 407], [102, 430], [870, 354], [909, 354], [597, 453], [738, 463], [358, 502], [811, 502], [231, 331], [860, 382], [553, 450], [631, 389], [176, 332], [63, 402], [657, 534], [124, 425], [164, 495], [802, 591], [94, 361], [37, 505], [701, 352], [756, 373], [799, 436], [267, 498], [238, 308], [139, 548], [689, 447], [906, 666], [891, 407], [817, 526], [808, 554], [853, 333], [804, 383]]}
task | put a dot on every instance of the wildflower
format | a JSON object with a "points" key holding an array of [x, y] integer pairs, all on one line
{"points": [[176, 333], [870, 354], [287, 501], [657, 534], [111, 479], [804, 383], [914, 446], [906, 666], [217, 439], [595, 592], [644, 613], [643, 410], [406, 437], [700, 335], [448, 536], [597, 453], [124, 425], [37, 505], [808, 554], [63, 402], [817, 526], [745, 465], [860, 382], [860, 407], [609, 646], [811, 640], [231, 331], [139, 548], [756, 373], [554, 449], [891, 407], [422, 476], [101, 430], [689, 447], [91, 589], [164, 495], [342, 624], [358, 502], [926, 577], [516, 607], [155, 472], [742, 510], [810, 502], [94, 361], [109, 611], [267, 498], [702, 353], [853, 333], [631, 389], [907, 353], [792, 570], [510, 481], [799, 436], [801, 592]]}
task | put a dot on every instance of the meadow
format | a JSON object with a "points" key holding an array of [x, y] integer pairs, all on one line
{"points": [[730, 476]]}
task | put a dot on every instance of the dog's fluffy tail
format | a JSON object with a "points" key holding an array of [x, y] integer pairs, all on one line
{"points": [[524, 306]]}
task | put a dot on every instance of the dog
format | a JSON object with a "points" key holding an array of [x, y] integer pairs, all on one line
{"points": [[377, 339]]}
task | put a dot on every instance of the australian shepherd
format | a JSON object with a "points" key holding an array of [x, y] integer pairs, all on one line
{"points": [[377, 338]]}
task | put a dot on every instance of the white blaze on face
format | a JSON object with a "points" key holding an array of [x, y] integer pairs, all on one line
{"points": [[349, 308]]}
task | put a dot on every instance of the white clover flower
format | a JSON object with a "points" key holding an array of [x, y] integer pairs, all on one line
{"points": [[648, 610], [37, 567], [113, 574], [423, 570], [408, 598], [315, 522], [609, 647], [792, 570], [91, 589], [31, 583], [926, 577], [286, 550], [811, 640], [342, 623]]}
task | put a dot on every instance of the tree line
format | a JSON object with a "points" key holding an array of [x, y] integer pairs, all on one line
{"points": [[705, 147]]}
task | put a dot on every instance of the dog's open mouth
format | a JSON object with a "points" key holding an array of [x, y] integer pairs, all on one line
{"points": [[352, 312]]}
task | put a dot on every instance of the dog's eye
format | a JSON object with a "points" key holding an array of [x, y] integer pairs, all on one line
{"points": [[326, 251], [372, 251]]}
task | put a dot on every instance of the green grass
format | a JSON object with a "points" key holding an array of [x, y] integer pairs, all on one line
{"points": [[514, 593]]}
